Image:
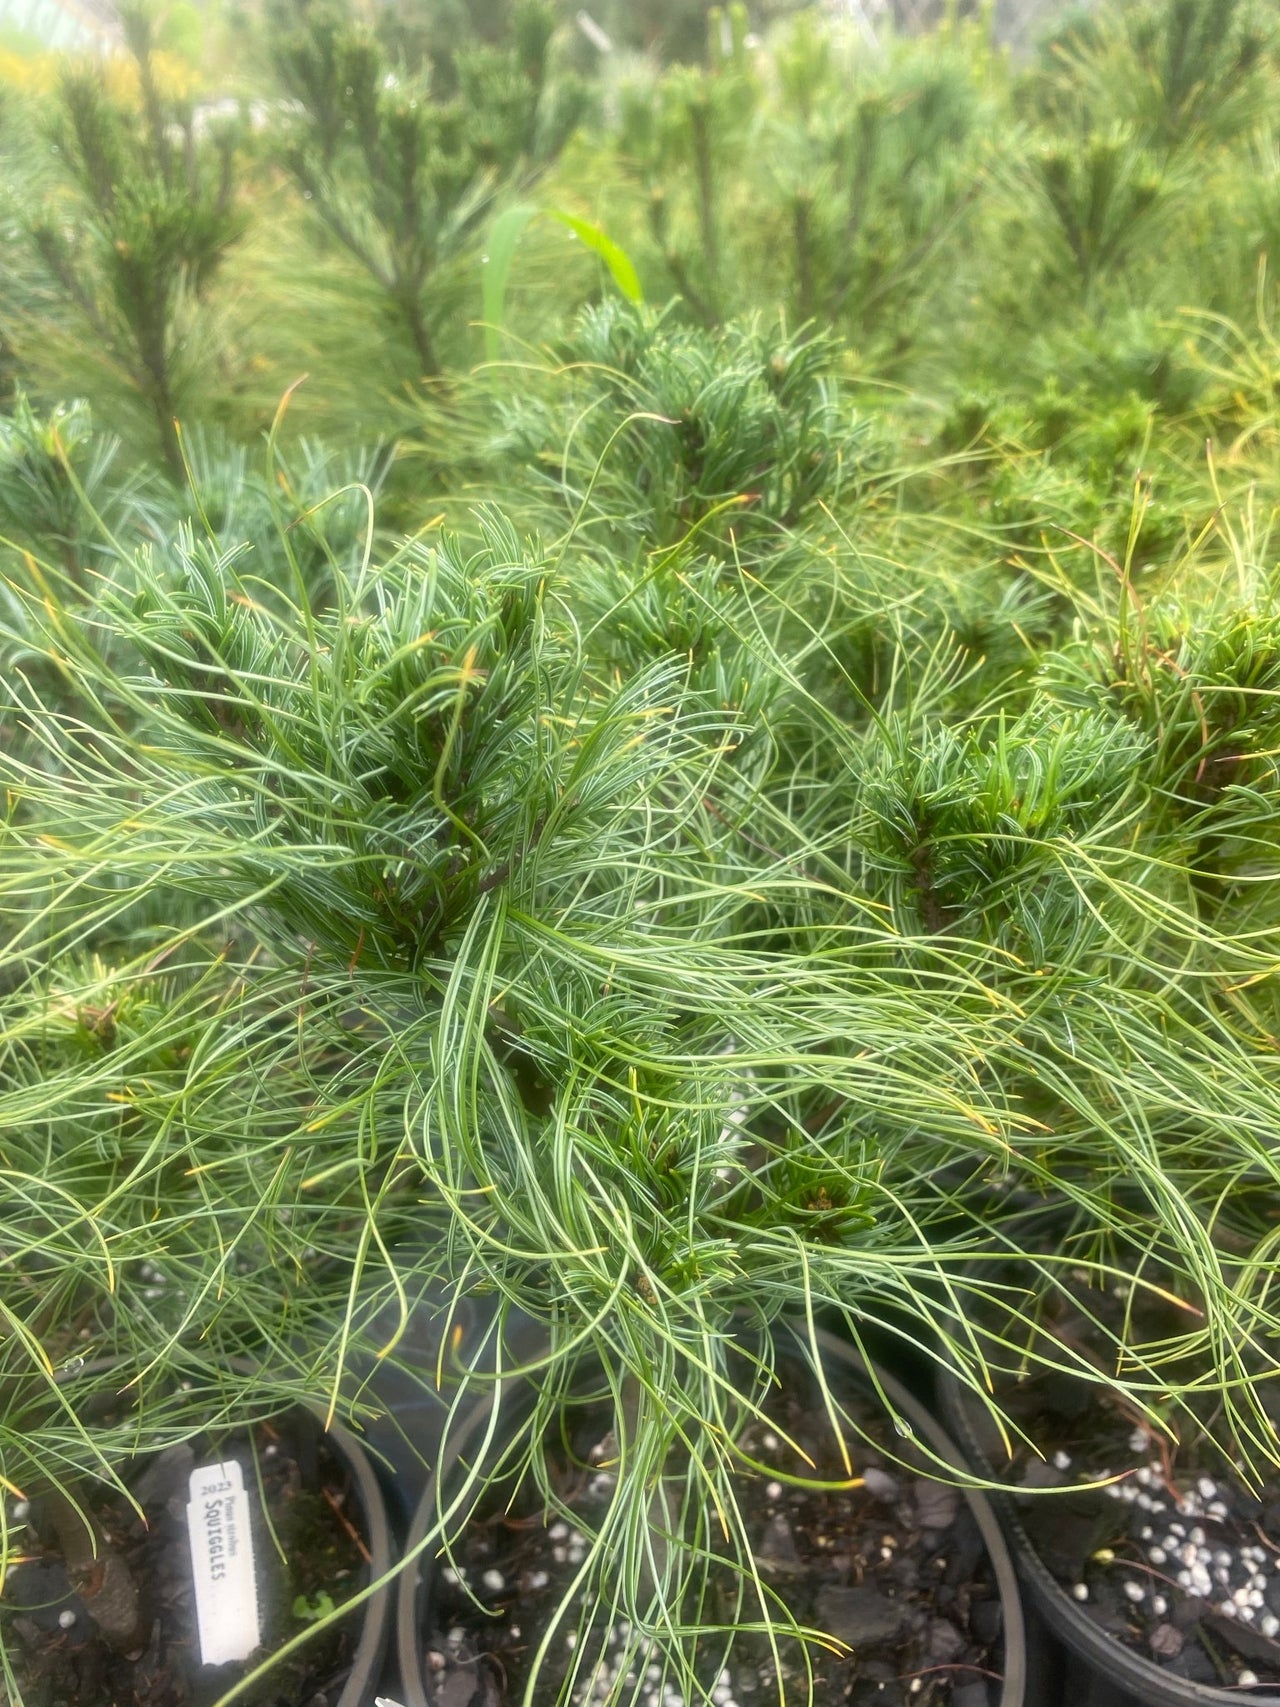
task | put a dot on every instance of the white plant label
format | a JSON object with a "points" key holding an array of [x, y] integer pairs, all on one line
{"points": [[221, 1540]]}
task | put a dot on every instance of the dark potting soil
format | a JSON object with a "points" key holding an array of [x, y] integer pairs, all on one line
{"points": [[1168, 1550], [894, 1570], [61, 1612]]}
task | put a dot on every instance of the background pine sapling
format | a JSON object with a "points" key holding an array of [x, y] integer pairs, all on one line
{"points": [[401, 167], [679, 134], [1184, 73], [132, 242]]}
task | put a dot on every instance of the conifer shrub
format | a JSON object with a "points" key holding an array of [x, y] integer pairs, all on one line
{"points": [[663, 432], [57, 472], [693, 837]]}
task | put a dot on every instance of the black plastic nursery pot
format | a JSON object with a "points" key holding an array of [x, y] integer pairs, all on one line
{"points": [[935, 1576], [407, 1393], [1098, 1668], [227, 1553]]}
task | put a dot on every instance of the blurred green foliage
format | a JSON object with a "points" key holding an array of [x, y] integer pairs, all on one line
{"points": [[713, 792]]}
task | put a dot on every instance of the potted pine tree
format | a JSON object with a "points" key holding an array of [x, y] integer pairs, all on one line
{"points": [[678, 965]]}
